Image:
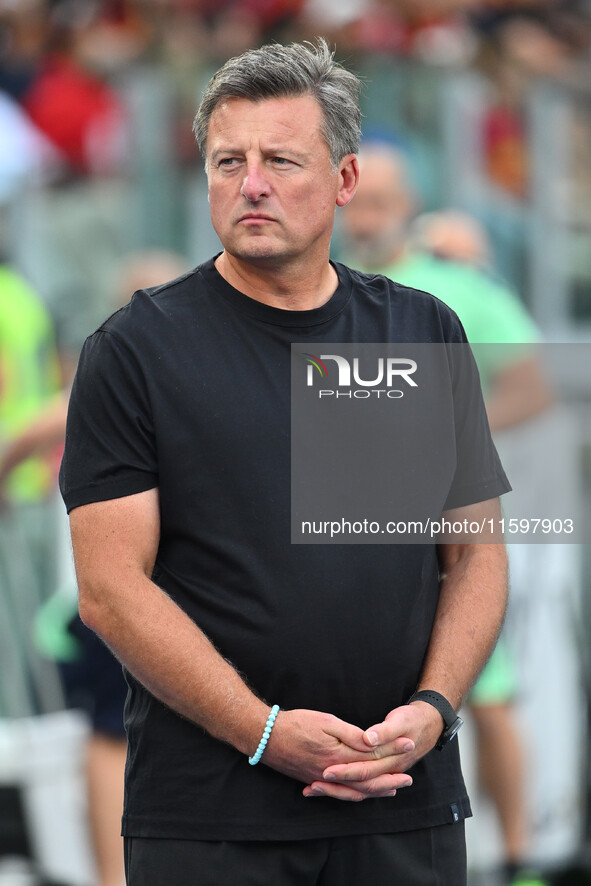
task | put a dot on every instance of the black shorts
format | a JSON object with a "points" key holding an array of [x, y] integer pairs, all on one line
{"points": [[94, 682], [430, 857]]}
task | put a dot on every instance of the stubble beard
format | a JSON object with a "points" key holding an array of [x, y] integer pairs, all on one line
{"points": [[374, 252], [261, 251]]}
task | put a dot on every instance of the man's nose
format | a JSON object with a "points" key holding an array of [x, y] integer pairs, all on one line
{"points": [[255, 184]]}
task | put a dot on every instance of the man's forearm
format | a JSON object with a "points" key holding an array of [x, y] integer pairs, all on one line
{"points": [[519, 393], [472, 602], [168, 653], [172, 657], [469, 614], [115, 547], [176, 662]]}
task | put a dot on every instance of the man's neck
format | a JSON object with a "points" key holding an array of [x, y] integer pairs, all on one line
{"points": [[287, 287]]}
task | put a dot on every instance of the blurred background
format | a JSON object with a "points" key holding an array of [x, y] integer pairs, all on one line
{"points": [[102, 191]]}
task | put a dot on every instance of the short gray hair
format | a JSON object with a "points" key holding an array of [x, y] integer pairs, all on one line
{"points": [[277, 71]]}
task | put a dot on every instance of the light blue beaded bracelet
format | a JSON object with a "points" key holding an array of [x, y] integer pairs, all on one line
{"points": [[266, 733]]}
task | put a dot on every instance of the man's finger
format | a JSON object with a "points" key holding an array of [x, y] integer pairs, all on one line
{"points": [[383, 786], [336, 791], [394, 727], [386, 733], [349, 735], [366, 770], [402, 745]]}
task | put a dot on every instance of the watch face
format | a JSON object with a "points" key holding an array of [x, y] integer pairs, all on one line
{"points": [[453, 729], [449, 733]]}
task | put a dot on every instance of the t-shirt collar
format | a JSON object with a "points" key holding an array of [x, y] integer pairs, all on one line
{"points": [[279, 316]]}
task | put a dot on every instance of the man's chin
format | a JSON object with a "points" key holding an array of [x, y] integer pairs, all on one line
{"points": [[260, 254]]}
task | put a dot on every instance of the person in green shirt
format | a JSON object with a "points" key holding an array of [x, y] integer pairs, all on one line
{"points": [[29, 379], [376, 237]]}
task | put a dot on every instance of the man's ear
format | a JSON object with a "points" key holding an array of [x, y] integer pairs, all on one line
{"points": [[348, 179]]}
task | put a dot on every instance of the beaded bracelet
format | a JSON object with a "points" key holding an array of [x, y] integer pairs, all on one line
{"points": [[265, 738]]}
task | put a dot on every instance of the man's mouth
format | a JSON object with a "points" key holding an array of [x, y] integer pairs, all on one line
{"points": [[255, 218]]}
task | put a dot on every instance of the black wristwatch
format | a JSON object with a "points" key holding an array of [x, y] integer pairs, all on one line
{"points": [[450, 718]]}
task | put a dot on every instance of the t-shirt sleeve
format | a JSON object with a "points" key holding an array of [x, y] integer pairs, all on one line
{"points": [[479, 475], [110, 448]]}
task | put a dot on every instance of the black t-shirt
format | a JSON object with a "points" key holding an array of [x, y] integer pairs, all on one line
{"points": [[188, 388]]}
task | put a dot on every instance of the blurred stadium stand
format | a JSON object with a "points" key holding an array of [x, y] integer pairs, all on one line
{"points": [[526, 176]]}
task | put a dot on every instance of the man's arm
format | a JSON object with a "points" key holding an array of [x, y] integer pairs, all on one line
{"points": [[45, 431], [115, 545], [519, 392], [472, 601]]}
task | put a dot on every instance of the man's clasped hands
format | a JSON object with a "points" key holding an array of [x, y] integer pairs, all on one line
{"points": [[339, 760]]}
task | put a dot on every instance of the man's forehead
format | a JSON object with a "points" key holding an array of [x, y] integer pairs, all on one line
{"points": [[292, 116]]}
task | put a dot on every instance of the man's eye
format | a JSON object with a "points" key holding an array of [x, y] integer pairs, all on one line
{"points": [[281, 161], [227, 161]]}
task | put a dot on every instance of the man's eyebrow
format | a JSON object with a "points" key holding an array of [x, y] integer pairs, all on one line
{"points": [[271, 151], [220, 151], [283, 150]]}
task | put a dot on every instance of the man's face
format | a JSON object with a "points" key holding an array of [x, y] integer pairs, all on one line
{"points": [[374, 223], [272, 189]]}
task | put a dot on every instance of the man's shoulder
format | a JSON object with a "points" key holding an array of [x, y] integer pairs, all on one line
{"points": [[416, 305], [154, 306], [385, 283]]}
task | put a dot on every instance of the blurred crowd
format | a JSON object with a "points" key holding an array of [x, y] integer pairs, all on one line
{"points": [[60, 60], [73, 143]]}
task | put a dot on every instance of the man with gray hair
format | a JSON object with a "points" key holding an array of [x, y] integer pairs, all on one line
{"points": [[176, 475]]}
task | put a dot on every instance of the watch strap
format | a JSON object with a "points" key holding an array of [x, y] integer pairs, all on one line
{"points": [[439, 702], [452, 722]]}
